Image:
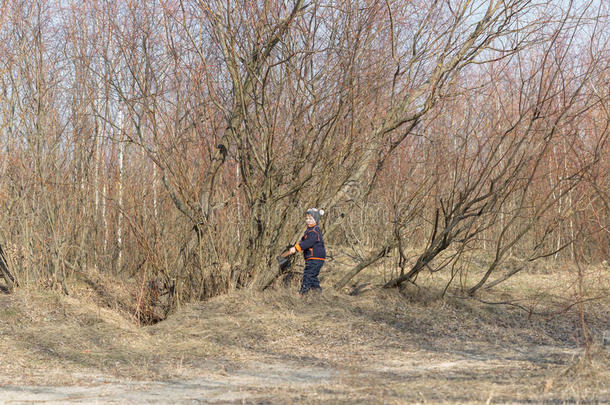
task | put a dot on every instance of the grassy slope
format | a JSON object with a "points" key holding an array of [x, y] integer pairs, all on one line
{"points": [[397, 345]]}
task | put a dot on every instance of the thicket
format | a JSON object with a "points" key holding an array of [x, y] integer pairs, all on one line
{"points": [[179, 143]]}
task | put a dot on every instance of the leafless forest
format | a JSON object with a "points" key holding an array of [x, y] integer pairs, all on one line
{"points": [[178, 142]]}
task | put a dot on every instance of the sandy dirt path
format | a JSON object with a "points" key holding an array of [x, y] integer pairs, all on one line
{"points": [[254, 384]]}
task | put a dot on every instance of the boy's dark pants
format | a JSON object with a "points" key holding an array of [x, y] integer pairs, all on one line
{"points": [[310, 276]]}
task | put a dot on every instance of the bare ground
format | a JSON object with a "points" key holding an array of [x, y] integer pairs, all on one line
{"points": [[380, 346]]}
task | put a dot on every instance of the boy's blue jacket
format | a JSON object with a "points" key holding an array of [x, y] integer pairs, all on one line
{"points": [[312, 244]]}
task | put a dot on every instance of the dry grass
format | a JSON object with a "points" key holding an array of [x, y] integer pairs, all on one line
{"points": [[520, 342]]}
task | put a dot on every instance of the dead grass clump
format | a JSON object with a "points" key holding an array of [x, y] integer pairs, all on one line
{"points": [[587, 375], [49, 330], [79, 335], [282, 324], [594, 363], [140, 299]]}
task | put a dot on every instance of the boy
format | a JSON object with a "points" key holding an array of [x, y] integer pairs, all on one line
{"points": [[314, 252]]}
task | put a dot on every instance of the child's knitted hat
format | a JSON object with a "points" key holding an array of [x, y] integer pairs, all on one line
{"points": [[315, 213]]}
